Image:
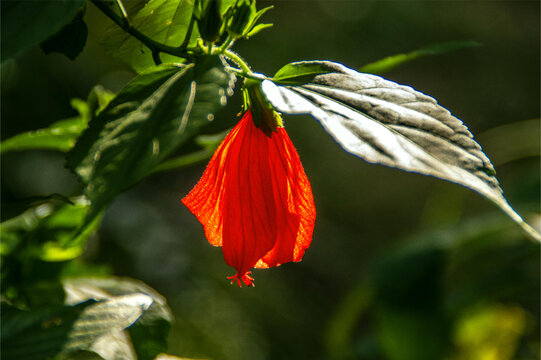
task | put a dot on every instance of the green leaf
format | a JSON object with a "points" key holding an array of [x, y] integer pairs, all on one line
{"points": [[149, 118], [106, 318], [48, 230], [394, 125], [257, 29], [149, 334], [59, 136], [301, 72], [65, 331], [389, 63], [165, 21], [12, 209], [62, 134], [28, 23], [70, 40]]}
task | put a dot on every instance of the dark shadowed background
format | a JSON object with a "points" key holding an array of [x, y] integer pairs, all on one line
{"points": [[401, 266]]}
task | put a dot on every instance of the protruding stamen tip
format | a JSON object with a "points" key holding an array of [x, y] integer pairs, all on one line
{"points": [[245, 278]]}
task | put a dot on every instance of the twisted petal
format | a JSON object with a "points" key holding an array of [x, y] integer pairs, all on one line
{"points": [[254, 200]]}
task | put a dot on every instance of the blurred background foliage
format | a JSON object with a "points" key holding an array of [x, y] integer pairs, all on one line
{"points": [[401, 266]]}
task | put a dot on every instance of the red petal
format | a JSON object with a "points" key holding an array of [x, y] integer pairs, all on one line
{"points": [[254, 199]]}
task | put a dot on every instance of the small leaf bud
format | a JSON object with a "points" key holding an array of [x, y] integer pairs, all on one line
{"points": [[210, 21], [240, 17]]}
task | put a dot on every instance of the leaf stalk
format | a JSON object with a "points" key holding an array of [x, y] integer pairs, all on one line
{"points": [[237, 60]]}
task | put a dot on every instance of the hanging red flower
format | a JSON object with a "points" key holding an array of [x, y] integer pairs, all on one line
{"points": [[254, 199]]}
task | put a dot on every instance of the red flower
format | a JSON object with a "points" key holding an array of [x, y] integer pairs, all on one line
{"points": [[254, 200]]}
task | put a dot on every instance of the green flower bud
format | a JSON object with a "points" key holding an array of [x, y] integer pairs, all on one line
{"points": [[210, 21], [240, 17]]}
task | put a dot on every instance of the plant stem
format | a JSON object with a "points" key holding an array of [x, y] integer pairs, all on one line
{"points": [[238, 60], [122, 10], [242, 73]]}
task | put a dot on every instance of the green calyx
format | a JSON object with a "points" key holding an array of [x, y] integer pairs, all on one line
{"points": [[263, 114]]}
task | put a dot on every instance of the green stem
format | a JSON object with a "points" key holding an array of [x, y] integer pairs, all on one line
{"points": [[243, 73], [237, 60], [122, 10], [188, 36], [123, 23]]}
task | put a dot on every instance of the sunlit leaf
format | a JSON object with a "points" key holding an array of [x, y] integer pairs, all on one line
{"points": [[149, 118], [106, 317], [149, 334], [28, 23], [394, 125], [48, 332], [165, 21], [257, 29], [389, 63]]}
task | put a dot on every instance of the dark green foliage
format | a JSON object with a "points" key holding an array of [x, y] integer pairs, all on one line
{"points": [[409, 302], [70, 40], [28, 23], [37, 334], [97, 311]]}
